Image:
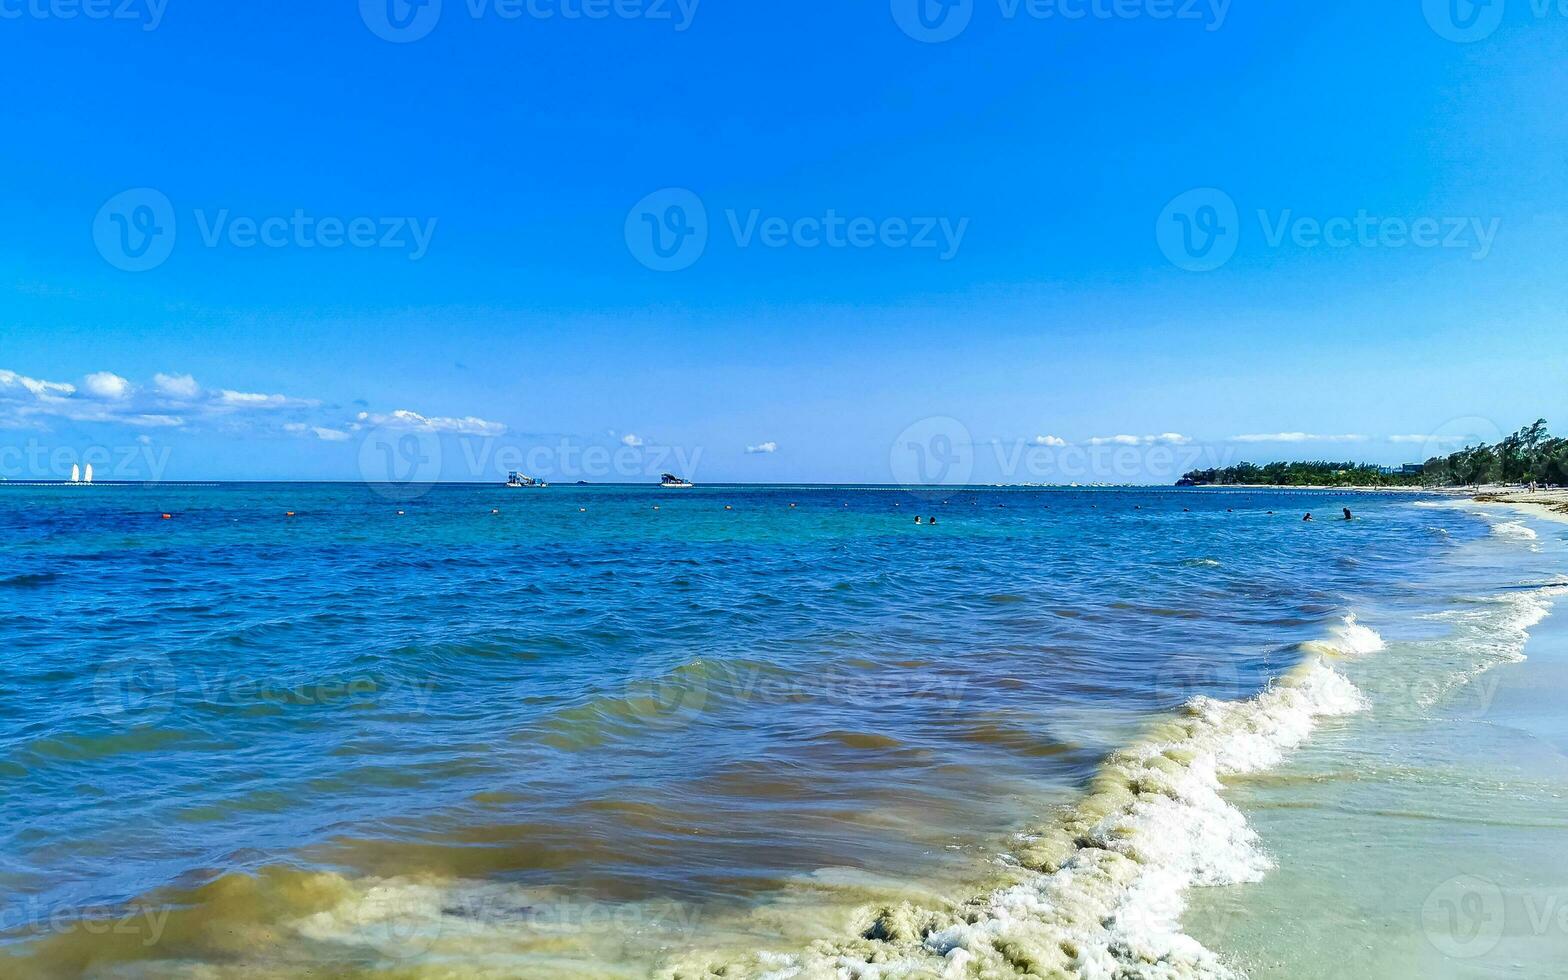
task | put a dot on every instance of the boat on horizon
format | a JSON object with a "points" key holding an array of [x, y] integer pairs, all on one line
{"points": [[521, 481], [670, 481]]}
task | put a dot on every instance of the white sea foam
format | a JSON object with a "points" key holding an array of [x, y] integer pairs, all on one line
{"points": [[1109, 884], [1513, 529], [1487, 633]]}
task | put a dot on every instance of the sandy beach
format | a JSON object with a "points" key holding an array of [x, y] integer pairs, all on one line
{"points": [[1550, 504]]}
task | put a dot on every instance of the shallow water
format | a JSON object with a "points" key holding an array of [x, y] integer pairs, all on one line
{"points": [[615, 731]]}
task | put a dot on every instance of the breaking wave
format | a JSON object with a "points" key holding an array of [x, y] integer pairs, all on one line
{"points": [[1101, 894]]}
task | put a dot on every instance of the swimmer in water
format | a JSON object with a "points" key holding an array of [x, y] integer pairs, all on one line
{"points": [[917, 519], [931, 522], [1307, 518], [1347, 514]]}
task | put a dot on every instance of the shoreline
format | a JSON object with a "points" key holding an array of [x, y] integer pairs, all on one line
{"points": [[1551, 505]]}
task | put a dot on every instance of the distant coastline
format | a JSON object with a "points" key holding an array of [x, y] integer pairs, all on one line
{"points": [[1532, 456]]}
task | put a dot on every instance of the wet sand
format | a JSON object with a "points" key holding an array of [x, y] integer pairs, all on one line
{"points": [[1550, 504]]}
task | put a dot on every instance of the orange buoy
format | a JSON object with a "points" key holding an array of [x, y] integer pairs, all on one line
{"points": [[168, 517], [289, 514]]}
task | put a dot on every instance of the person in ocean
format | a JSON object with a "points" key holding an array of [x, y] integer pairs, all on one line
{"points": [[1307, 518], [932, 522], [917, 518], [1347, 514]]}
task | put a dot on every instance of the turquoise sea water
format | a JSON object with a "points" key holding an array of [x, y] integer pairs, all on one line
{"points": [[735, 731]]}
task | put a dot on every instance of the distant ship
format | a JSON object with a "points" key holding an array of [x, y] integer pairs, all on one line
{"points": [[670, 481], [519, 481]]}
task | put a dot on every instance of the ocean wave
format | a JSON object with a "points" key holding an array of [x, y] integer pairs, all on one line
{"points": [[1104, 889], [1513, 529], [1488, 632]]}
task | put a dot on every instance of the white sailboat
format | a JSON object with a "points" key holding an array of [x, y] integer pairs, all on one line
{"points": [[76, 473], [88, 476]]}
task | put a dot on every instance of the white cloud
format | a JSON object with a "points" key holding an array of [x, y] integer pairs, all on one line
{"points": [[245, 399], [106, 385], [181, 386], [320, 432], [1049, 441], [763, 449], [106, 397], [43, 390], [632, 440], [175, 400], [1163, 439], [403, 418], [1449, 439], [1296, 437]]}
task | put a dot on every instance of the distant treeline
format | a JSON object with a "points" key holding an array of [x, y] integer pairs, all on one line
{"points": [[1313, 473], [1530, 455]]}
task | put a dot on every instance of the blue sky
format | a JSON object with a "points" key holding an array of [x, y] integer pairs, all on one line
{"points": [[895, 231]]}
